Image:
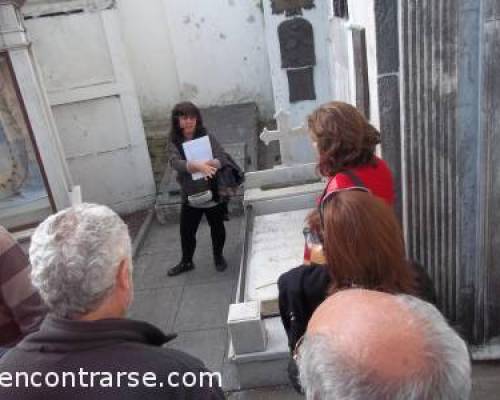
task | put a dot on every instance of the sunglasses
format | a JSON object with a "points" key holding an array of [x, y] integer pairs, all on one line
{"points": [[295, 352], [330, 195]]}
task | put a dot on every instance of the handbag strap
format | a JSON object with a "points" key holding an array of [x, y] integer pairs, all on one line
{"points": [[354, 178], [351, 175]]}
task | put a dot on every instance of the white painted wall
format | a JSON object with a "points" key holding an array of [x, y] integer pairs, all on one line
{"points": [[86, 76], [220, 52], [151, 57], [209, 52], [362, 13], [318, 17]]}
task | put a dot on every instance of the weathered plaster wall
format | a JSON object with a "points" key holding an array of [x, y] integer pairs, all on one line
{"points": [[86, 77], [151, 57], [210, 52], [219, 52]]}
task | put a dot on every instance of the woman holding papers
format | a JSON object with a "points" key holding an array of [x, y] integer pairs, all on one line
{"points": [[196, 156]]}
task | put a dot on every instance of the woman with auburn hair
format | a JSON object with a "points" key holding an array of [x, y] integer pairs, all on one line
{"points": [[346, 142], [363, 247], [363, 244]]}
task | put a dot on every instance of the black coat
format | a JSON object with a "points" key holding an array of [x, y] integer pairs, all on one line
{"points": [[304, 288], [107, 346]]}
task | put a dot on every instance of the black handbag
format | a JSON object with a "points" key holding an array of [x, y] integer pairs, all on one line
{"points": [[229, 177]]}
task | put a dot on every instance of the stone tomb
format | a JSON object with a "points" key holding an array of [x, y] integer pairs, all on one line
{"points": [[277, 244], [276, 203]]}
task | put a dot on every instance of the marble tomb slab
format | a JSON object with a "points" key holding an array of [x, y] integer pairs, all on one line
{"points": [[277, 245]]}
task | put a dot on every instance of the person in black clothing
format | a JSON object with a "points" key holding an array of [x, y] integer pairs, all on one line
{"points": [[187, 124], [363, 247], [86, 348]]}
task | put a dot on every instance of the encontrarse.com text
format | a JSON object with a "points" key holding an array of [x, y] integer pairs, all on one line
{"points": [[91, 379]]}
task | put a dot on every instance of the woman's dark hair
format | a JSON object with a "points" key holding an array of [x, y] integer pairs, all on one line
{"points": [[344, 137], [364, 246], [185, 109]]}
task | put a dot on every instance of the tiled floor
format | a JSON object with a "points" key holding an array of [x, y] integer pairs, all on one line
{"points": [[195, 306]]}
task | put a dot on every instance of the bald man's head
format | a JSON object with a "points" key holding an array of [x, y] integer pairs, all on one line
{"points": [[367, 345]]}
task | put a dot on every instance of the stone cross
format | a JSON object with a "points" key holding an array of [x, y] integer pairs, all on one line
{"points": [[286, 136]]}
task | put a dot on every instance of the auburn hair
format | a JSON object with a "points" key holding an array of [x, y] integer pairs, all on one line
{"points": [[363, 244], [344, 137]]}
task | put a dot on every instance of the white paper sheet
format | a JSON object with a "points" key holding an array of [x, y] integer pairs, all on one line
{"points": [[198, 150]]}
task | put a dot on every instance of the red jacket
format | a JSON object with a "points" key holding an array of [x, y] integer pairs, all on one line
{"points": [[377, 178]]}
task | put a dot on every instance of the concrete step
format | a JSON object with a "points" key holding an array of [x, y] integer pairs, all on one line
{"points": [[266, 368]]}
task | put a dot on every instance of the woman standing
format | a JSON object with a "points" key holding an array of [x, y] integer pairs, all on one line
{"points": [[345, 142], [187, 125]]}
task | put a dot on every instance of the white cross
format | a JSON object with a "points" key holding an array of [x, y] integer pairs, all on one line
{"points": [[285, 134]]}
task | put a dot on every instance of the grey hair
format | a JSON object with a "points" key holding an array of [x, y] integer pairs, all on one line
{"points": [[327, 372], [75, 256]]}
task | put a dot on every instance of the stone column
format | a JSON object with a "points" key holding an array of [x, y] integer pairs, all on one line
{"points": [[450, 150], [386, 20], [488, 193]]}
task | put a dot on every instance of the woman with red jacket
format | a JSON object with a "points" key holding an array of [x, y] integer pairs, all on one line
{"points": [[345, 142]]}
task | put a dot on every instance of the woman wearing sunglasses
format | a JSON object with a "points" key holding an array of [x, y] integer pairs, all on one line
{"points": [[363, 247]]}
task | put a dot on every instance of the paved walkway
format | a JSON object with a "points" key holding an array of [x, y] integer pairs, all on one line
{"points": [[195, 306]]}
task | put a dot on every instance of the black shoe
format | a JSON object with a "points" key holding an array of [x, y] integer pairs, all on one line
{"points": [[220, 263], [183, 266]]}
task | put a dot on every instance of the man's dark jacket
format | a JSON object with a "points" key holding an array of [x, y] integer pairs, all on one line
{"points": [[110, 346]]}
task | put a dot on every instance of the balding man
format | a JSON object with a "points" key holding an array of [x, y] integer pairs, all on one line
{"points": [[367, 345]]}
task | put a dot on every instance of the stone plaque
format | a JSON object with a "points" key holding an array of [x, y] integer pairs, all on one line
{"points": [[301, 84], [291, 7], [296, 43], [340, 9]]}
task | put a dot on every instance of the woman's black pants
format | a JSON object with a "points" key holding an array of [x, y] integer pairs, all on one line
{"points": [[190, 221]]}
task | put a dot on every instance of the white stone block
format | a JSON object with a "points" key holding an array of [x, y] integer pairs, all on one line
{"points": [[246, 328]]}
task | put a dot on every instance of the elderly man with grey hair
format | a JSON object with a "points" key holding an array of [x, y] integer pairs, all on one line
{"points": [[367, 345], [86, 348]]}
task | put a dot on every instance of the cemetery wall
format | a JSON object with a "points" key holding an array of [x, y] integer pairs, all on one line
{"points": [[212, 53]]}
